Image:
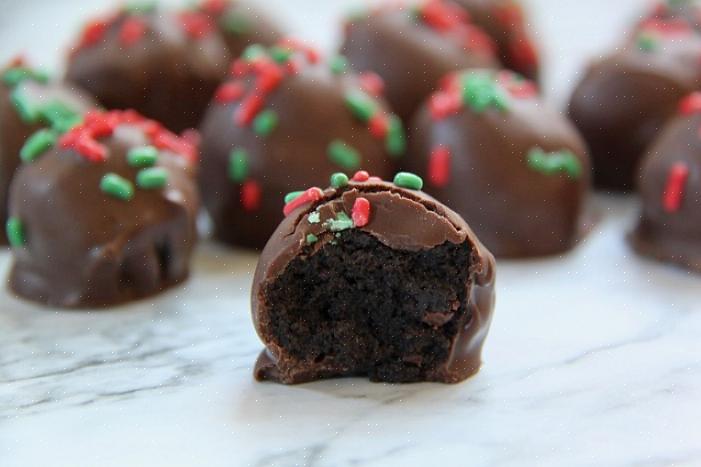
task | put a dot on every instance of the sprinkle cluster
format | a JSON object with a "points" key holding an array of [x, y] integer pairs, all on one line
{"points": [[260, 71], [54, 114], [230, 20], [132, 26], [478, 91], [550, 163]]}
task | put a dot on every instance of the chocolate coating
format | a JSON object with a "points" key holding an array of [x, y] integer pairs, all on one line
{"points": [[669, 228], [310, 112], [401, 219], [412, 53], [505, 22], [164, 65], [624, 100], [516, 169], [81, 246], [16, 128], [241, 23]]}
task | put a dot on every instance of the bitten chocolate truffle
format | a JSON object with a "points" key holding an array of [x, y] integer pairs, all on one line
{"points": [[106, 216], [34, 111], [505, 22], [285, 119], [241, 23], [164, 65], [516, 169], [670, 186], [370, 278], [411, 49], [624, 100]]}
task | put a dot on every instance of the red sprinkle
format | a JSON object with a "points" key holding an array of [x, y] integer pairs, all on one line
{"points": [[214, 7], [93, 33], [17, 61], [476, 40], [523, 53], [443, 104], [133, 29], [361, 176], [519, 88], [443, 16], [450, 83], [229, 92], [170, 142], [676, 185], [270, 76], [196, 25], [510, 15], [379, 125], [667, 27], [309, 196], [250, 107], [251, 195], [239, 67], [313, 55], [361, 212], [372, 83], [439, 166], [690, 104]]}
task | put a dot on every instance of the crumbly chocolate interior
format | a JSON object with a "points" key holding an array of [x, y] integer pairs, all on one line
{"points": [[358, 307]]}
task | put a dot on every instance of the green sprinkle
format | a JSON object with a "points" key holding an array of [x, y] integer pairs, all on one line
{"points": [[60, 116], [481, 92], [152, 178], [647, 42], [551, 163], [339, 180], [408, 180], [15, 232], [340, 223], [361, 105], [396, 138], [37, 144], [280, 54], [338, 64], [253, 52], [344, 155], [117, 186], [312, 239], [14, 76], [27, 112], [265, 122], [314, 217], [235, 23], [289, 197], [144, 156], [140, 7], [238, 165]]}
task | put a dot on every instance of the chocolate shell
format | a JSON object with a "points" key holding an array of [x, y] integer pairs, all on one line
{"points": [[369, 278], [241, 23], [514, 168], [31, 104], [669, 228], [505, 22], [164, 65], [287, 118], [411, 49], [106, 216], [624, 100]]}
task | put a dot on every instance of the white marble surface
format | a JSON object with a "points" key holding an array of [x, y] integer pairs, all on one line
{"points": [[593, 358]]}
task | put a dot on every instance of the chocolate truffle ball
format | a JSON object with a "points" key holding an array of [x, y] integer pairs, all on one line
{"points": [[241, 24], [34, 111], [287, 119], [505, 22], [670, 186], [625, 99], [375, 279], [514, 168], [411, 49], [106, 216], [164, 65]]}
